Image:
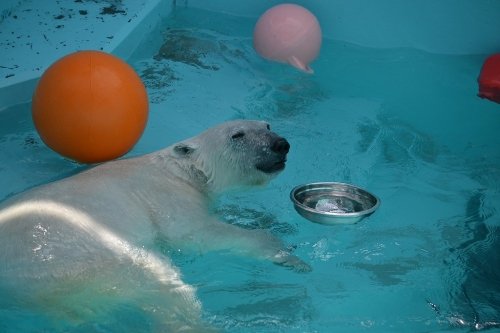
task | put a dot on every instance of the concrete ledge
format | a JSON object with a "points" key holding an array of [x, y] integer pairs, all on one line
{"points": [[35, 34]]}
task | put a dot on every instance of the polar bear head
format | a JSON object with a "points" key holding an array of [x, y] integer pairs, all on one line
{"points": [[235, 153]]}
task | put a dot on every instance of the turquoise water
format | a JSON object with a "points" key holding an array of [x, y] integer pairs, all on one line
{"points": [[404, 124]]}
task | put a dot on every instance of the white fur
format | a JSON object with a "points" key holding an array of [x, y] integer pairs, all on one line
{"points": [[102, 223]]}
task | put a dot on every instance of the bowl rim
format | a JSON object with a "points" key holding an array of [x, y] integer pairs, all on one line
{"points": [[318, 185]]}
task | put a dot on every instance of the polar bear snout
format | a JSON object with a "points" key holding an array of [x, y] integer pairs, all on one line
{"points": [[280, 146], [275, 162]]}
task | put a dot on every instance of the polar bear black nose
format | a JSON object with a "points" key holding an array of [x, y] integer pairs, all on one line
{"points": [[280, 146]]}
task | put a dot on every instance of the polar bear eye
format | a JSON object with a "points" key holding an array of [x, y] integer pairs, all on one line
{"points": [[238, 135], [268, 127]]}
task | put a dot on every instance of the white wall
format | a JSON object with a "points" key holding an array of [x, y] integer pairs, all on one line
{"points": [[441, 26]]}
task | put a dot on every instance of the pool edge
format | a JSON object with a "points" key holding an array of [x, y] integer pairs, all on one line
{"points": [[20, 89]]}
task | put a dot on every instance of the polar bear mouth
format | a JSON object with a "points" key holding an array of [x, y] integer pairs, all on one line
{"points": [[271, 166]]}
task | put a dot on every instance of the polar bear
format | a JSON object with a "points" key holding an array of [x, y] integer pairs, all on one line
{"points": [[77, 247]]}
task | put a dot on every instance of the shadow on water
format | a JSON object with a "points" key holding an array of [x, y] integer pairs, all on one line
{"points": [[474, 268]]}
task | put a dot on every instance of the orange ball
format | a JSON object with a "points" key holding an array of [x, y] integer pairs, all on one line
{"points": [[90, 106]]}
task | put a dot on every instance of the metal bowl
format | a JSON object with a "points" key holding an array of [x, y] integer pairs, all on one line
{"points": [[333, 203]]}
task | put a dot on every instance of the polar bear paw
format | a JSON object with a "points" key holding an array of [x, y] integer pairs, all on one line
{"points": [[286, 259]]}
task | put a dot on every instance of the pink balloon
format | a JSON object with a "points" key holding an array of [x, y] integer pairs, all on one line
{"points": [[290, 34]]}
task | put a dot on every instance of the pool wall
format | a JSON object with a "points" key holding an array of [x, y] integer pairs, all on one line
{"points": [[438, 26]]}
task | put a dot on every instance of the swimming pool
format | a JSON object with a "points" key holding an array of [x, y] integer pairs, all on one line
{"points": [[404, 123]]}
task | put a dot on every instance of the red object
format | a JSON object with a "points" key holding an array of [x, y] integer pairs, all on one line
{"points": [[489, 79], [90, 106]]}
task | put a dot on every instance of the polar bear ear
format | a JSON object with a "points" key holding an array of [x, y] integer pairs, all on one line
{"points": [[185, 148]]}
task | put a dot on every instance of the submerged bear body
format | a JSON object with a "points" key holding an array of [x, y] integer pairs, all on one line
{"points": [[91, 233]]}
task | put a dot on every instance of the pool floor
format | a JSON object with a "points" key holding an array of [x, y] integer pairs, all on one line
{"points": [[404, 124]]}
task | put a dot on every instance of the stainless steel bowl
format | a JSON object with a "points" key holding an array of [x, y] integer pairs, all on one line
{"points": [[333, 203]]}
